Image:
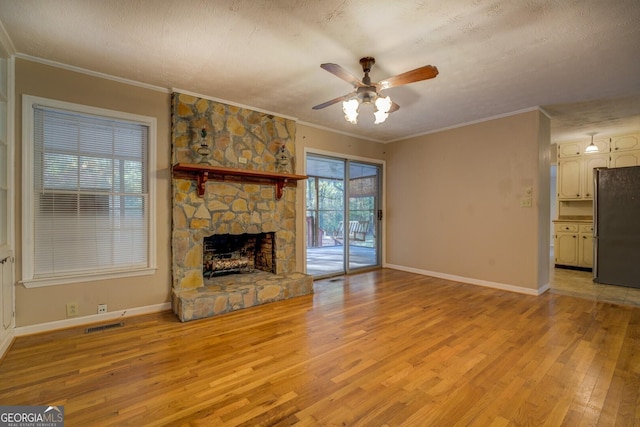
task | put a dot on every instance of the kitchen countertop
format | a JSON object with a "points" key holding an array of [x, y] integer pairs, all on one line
{"points": [[574, 219]]}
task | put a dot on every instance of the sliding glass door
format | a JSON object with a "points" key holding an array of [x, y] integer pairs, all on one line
{"points": [[342, 215], [363, 192]]}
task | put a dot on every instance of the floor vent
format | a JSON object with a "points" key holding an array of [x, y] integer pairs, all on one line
{"points": [[103, 327]]}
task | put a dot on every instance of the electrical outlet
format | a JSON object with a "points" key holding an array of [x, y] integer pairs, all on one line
{"points": [[102, 308], [72, 309], [526, 202]]}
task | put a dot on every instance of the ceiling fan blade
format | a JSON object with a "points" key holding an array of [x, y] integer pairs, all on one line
{"points": [[394, 107], [419, 74], [338, 71], [334, 101]]}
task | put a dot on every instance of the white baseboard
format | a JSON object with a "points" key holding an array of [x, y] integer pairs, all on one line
{"points": [[6, 344], [471, 281], [86, 320]]}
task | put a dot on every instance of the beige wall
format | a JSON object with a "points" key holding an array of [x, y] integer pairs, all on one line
{"points": [[48, 304], [543, 198], [453, 202], [312, 138]]}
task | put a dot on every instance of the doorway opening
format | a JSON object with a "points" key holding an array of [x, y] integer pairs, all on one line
{"points": [[343, 215]]}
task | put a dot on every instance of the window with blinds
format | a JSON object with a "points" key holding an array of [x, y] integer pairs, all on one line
{"points": [[90, 194]]}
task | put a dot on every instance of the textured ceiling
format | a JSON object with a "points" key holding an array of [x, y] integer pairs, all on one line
{"points": [[579, 60]]}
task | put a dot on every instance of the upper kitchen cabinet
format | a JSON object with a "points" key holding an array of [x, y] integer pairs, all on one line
{"points": [[625, 143], [625, 151], [621, 159], [576, 149], [589, 163], [575, 168], [569, 149], [575, 176], [569, 178]]}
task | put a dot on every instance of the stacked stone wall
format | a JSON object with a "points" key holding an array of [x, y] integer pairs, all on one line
{"points": [[228, 207]]}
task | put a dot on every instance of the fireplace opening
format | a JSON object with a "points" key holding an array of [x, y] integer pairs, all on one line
{"points": [[238, 253]]}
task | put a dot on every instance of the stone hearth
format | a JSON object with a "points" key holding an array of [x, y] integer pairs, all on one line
{"points": [[231, 292], [230, 207]]}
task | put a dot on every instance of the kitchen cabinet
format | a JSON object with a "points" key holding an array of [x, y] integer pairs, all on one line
{"points": [[575, 168], [589, 163], [576, 149], [569, 170], [625, 143], [621, 159], [566, 248], [573, 244], [625, 151], [569, 149], [575, 175], [585, 246]]}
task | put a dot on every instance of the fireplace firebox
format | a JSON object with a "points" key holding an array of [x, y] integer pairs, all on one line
{"points": [[238, 253]]}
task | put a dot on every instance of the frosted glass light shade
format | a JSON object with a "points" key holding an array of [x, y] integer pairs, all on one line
{"points": [[381, 116], [383, 104], [350, 109], [591, 148]]}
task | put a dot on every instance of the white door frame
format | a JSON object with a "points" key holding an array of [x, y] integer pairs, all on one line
{"points": [[383, 198], [7, 248]]}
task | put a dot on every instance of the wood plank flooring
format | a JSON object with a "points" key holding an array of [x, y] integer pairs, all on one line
{"points": [[383, 348]]}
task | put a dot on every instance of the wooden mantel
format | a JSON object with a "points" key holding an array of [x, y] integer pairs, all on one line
{"points": [[205, 172]]}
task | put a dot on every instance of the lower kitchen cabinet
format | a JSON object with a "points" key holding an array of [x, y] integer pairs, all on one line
{"points": [[585, 246], [573, 244]]}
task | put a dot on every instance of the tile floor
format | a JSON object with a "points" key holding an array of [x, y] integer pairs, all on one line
{"points": [[580, 284]]}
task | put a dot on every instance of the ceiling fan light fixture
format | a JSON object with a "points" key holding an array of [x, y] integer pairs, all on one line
{"points": [[381, 116], [367, 92], [383, 103], [350, 108], [591, 148]]}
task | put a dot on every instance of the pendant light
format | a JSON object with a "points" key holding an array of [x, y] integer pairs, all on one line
{"points": [[591, 148]]}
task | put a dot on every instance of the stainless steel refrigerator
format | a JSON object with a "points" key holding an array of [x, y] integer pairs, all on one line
{"points": [[616, 220]]}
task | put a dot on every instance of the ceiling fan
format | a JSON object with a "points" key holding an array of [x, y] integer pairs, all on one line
{"points": [[366, 92]]}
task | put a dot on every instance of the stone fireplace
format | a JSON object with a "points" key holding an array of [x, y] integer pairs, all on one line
{"points": [[233, 241]]}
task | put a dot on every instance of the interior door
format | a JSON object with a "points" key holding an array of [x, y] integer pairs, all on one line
{"points": [[6, 196], [343, 215]]}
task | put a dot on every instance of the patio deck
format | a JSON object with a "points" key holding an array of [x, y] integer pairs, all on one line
{"points": [[329, 259]]}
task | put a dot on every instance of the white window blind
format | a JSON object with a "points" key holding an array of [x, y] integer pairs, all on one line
{"points": [[90, 194]]}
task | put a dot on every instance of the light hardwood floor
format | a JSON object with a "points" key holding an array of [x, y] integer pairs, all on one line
{"points": [[379, 348]]}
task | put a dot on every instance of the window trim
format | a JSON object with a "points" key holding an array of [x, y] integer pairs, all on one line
{"points": [[28, 232]]}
